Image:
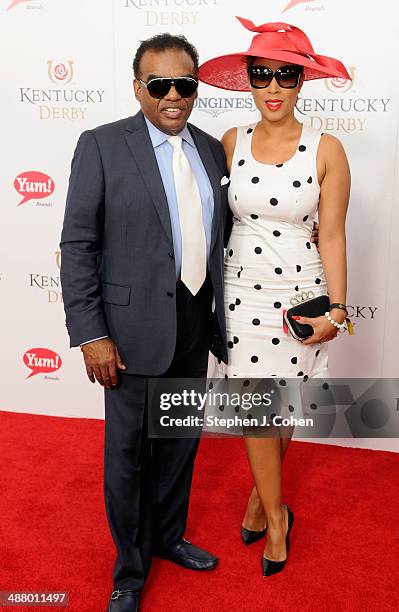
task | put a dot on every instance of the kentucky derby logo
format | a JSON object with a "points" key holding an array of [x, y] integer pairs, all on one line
{"points": [[60, 72], [341, 85], [41, 361], [293, 3]]}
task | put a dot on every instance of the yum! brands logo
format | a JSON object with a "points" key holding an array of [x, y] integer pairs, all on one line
{"points": [[32, 185], [41, 361], [59, 101]]}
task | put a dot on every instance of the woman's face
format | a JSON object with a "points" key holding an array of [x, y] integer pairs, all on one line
{"points": [[275, 102]]}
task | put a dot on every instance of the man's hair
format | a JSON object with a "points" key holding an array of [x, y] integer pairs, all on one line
{"points": [[164, 42]]}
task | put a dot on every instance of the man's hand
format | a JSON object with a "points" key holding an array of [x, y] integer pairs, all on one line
{"points": [[102, 362], [315, 234]]}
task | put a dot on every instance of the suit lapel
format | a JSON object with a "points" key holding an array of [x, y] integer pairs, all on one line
{"points": [[140, 145], [213, 173]]}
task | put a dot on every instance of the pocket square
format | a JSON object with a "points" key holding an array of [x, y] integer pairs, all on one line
{"points": [[224, 180]]}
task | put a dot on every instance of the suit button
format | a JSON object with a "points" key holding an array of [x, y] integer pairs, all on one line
{"points": [[171, 255], [169, 294]]}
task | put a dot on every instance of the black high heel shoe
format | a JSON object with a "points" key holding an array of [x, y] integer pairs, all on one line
{"points": [[250, 537], [270, 567]]}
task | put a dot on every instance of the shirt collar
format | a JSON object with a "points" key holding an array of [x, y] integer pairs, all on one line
{"points": [[158, 137]]}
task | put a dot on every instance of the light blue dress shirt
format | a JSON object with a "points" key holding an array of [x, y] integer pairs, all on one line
{"points": [[164, 154]]}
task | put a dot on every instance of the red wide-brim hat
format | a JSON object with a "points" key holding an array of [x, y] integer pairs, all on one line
{"points": [[276, 41]]}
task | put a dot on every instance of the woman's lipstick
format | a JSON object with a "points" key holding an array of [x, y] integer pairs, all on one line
{"points": [[274, 105]]}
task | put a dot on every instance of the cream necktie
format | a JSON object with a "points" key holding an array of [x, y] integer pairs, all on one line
{"points": [[194, 255]]}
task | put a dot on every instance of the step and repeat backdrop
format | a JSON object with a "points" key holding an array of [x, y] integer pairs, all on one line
{"points": [[66, 67]]}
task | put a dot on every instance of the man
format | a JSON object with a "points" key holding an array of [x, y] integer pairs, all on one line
{"points": [[142, 260]]}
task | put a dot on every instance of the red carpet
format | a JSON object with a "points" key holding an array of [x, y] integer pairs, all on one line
{"points": [[54, 535]]}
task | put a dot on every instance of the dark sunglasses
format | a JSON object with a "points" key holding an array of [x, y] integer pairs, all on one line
{"points": [[286, 76], [160, 86]]}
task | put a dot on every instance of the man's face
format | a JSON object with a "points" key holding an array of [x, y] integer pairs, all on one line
{"points": [[169, 114]]}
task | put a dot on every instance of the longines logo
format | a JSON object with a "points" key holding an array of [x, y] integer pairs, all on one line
{"points": [[170, 12], [61, 103], [50, 284], [42, 361], [348, 114], [215, 106], [33, 185]]}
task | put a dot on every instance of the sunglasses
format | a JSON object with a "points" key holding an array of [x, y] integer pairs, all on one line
{"points": [[286, 76], [159, 87]]}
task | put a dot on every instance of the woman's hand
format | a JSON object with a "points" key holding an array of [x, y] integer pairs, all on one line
{"points": [[324, 331]]}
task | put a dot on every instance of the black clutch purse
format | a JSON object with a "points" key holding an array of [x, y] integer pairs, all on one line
{"points": [[315, 307]]}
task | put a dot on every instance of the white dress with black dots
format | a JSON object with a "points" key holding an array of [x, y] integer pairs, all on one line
{"points": [[269, 259]]}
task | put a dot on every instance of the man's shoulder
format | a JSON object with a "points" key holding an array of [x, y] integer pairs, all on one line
{"points": [[112, 128], [211, 139]]}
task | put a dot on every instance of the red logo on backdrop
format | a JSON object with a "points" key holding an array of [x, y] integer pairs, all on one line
{"points": [[339, 84], [60, 71], [33, 185], [15, 2], [293, 3], [41, 361]]}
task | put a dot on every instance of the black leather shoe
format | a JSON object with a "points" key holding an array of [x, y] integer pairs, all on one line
{"points": [[124, 600], [250, 537], [189, 556], [270, 567]]}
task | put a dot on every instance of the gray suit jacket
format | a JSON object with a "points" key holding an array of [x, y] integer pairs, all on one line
{"points": [[117, 266]]}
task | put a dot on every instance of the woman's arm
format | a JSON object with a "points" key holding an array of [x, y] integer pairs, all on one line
{"points": [[333, 206]]}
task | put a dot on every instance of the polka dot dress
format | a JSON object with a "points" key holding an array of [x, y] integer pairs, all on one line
{"points": [[269, 259]]}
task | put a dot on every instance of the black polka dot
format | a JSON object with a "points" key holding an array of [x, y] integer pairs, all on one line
{"points": [[310, 180], [231, 252], [232, 307], [238, 301], [305, 378], [276, 341], [276, 233], [294, 360], [254, 359], [279, 165], [236, 340], [296, 184], [255, 179], [291, 408], [273, 414], [255, 322], [313, 406], [239, 272], [221, 408], [301, 148], [325, 386], [308, 245], [235, 197], [236, 409], [241, 162], [306, 217], [300, 373], [257, 287], [226, 377], [230, 344], [254, 216], [317, 281], [273, 201], [282, 382], [298, 268], [246, 383], [277, 304], [296, 288], [278, 270], [249, 130], [258, 250], [317, 352]]}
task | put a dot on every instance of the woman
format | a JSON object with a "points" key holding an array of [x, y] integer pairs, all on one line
{"points": [[282, 173]]}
